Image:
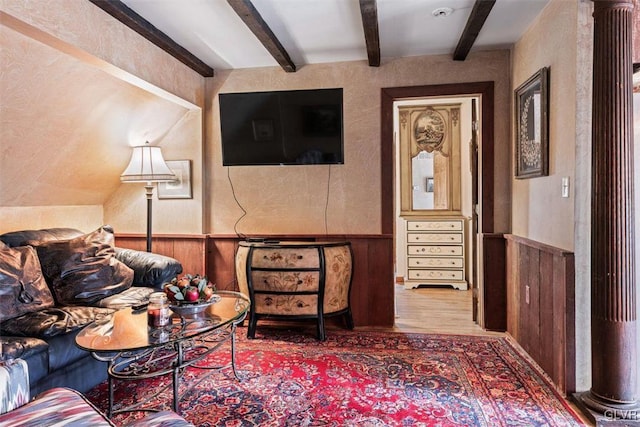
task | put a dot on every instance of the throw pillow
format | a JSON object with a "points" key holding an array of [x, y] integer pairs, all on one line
{"points": [[83, 270], [22, 285]]}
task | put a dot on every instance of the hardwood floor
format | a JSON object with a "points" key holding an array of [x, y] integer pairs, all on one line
{"points": [[435, 310]]}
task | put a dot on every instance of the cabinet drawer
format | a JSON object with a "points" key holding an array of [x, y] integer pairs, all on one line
{"points": [[434, 250], [285, 258], [436, 262], [285, 281], [434, 238], [435, 274], [452, 225]]}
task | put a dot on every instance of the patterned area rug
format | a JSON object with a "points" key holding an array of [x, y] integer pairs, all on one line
{"points": [[364, 379]]}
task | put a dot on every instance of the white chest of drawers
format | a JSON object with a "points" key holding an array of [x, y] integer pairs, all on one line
{"points": [[435, 253]]}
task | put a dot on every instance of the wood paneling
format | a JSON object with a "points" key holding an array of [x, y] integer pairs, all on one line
{"points": [[541, 306], [190, 250], [494, 291], [220, 255]]}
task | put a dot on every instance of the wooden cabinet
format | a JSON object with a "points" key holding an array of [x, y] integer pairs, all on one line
{"points": [[435, 252], [296, 280]]}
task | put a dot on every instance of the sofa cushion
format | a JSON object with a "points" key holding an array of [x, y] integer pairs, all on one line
{"points": [[83, 270], [63, 350], [22, 285], [52, 321], [32, 350], [20, 238], [14, 385], [149, 269], [58, 406]]}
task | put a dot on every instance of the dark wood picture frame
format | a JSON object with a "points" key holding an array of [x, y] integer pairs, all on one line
{"points": [[532, 126]]}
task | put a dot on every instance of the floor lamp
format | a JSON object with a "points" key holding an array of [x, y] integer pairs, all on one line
{"points": [[147, 165]]}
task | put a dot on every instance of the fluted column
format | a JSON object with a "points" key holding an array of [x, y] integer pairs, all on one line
{"points": [[614, 390]]}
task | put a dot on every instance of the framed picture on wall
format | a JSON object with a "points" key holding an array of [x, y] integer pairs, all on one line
{"points": [[532, 126], [181, 187]]}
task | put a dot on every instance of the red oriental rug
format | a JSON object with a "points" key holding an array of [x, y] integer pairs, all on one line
{"points": [[364, 379]]}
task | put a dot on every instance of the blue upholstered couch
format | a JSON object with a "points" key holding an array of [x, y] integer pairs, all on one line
{"points": [[55, 281]]}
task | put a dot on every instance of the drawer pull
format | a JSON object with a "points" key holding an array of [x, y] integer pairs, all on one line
{"points": [[299, 256], [299, 282]]}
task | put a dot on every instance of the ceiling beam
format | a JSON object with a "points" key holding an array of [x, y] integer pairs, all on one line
{"points": [[252, 19], [478, 16], [137, 23], [369, 12]]}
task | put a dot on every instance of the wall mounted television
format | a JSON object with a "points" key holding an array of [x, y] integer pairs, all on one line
{"points": [[294, 127]]}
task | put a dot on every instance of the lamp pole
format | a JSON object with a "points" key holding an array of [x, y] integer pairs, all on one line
{"points": [[149, 193]]}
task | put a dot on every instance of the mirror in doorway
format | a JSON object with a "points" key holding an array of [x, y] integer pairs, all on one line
{"points": [[430, 159]]}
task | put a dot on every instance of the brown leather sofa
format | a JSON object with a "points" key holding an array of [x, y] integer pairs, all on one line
{"points": [[55, 281]]}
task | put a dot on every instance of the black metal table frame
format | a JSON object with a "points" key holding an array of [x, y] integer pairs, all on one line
{"points": [[167, 359]]}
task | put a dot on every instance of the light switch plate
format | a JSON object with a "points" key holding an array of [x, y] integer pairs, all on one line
{"points": [[565, 186]]}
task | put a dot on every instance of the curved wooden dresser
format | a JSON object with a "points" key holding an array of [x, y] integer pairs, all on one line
{"points": [[296, 280]]}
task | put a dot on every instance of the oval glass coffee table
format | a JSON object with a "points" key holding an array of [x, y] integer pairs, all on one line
{"points": [[135, 351]]}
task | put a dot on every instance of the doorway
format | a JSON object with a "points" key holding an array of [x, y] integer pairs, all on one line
{"points": [[484, 92]]}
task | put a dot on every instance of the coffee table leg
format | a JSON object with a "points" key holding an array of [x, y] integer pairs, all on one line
{"points": [[176, 378], [110, 407], [233, 351], [176, 400]]}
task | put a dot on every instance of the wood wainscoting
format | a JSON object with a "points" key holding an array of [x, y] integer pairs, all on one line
{"points": [[189, 249], [541, 306], [372, 290], [494, 290]]}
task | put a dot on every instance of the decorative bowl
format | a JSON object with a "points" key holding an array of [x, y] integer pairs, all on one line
{"points": [[188, 310]]}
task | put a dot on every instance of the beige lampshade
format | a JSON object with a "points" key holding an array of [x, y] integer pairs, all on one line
{"points": [[147, 164]]}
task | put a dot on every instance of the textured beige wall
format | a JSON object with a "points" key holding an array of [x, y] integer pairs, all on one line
{"points": [[126, 209], [85, 218], [291, 199], [561, 38], [78, 89], [550, 42]]}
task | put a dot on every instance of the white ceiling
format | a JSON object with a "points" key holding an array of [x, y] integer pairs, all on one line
{"points": [[317, 31]]}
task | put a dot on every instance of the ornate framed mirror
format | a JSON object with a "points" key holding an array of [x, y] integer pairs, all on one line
{"points": [[430, 179]]}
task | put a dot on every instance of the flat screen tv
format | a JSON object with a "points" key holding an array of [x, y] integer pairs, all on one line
{"points": [[282, 128]]}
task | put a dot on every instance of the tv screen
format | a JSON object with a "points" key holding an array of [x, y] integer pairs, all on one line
{"points": [[282, 127]]}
